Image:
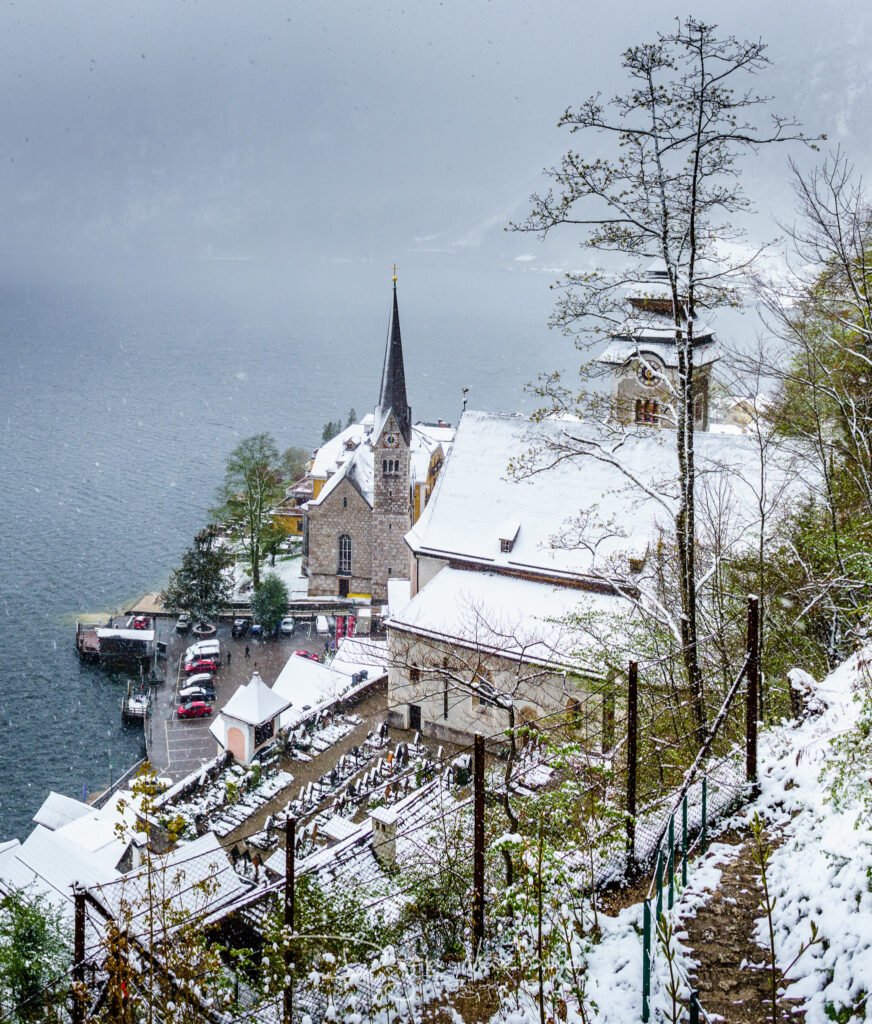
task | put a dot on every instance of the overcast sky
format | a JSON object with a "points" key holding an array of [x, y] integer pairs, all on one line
{"points": [[340, 130]]}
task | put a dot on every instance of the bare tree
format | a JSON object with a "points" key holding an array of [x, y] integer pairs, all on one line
{"points": [[670, 192]]}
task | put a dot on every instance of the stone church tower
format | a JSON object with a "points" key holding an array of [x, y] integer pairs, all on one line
{"points": [[391, 441], [644, 360]]}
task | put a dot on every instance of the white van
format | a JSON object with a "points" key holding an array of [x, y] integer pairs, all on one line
{"points": [[322, 626], [203, 649]]}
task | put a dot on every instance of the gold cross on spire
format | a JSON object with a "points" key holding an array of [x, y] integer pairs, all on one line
{"points": [[394, 272]]}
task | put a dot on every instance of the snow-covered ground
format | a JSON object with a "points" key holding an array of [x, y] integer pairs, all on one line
{"points": [[821, 872]]}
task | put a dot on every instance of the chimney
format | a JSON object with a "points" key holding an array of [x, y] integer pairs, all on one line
{"points": [[384, 835]]}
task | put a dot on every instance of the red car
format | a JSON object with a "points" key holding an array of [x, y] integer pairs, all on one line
{"points": [[196, 709], [141, 622], [307, 654], [201, 665]]}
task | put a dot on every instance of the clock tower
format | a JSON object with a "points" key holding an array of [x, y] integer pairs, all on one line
{"points": [[391, 440]]}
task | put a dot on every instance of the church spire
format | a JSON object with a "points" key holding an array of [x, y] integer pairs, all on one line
{"points": [[392, 397]]}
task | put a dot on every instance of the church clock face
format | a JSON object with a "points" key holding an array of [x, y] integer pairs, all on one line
{"points": [[646, 373], [391, 441]]}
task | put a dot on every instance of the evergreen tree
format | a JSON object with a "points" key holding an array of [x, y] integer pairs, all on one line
{"points": [[269, 604], [200, 585]]}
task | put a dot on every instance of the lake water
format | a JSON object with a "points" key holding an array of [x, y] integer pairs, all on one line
{"points": [[123, 389]]}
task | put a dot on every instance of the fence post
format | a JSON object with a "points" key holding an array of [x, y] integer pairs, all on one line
{"points": [[290, 884], [79, 997], [659, 877], [752, 681], [646, 960], [478, 847], [694, 1006], [684, 841], [704, 813], [671, 864], [632, 753]]}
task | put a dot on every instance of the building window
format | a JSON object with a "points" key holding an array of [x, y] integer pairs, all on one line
{"points": [[647, 410], [345, 555], [390, 467], [414, 674], [505, 545], [345, 502]]}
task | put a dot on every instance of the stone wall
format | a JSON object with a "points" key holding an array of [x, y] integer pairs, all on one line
{"points": [[436, 677], [343, 511]]}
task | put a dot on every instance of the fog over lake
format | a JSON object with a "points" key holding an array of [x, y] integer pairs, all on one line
{"points": [[201, 203]]}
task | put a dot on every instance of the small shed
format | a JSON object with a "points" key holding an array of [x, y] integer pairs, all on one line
{"points": [[250, 719]]}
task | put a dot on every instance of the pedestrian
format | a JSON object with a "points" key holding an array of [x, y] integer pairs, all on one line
{"points": [[228, 659], [326, 646], [247, 653]]}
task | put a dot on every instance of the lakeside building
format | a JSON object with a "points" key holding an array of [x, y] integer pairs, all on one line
{"points": [[369, 484]]}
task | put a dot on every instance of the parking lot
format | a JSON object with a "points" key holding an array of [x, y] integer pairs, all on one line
{"points": [[178, 746]]}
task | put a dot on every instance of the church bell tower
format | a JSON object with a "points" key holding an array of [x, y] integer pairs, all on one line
{"points": [[392, 436]]}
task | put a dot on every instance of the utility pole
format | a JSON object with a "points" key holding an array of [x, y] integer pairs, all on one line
{"points": [[632, 759], [79, 995], [752, 681], [478, 846], [290, 844]]}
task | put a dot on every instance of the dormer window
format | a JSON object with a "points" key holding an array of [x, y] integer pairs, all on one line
{"points": [[509, 534]]}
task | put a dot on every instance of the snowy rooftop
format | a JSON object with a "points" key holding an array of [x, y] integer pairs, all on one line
{"points": [[304, 684], [506, 615], [349, 456], [195, 875], [633, 341], [360, 653], [254, 703], [581, 515], [58, 810]]}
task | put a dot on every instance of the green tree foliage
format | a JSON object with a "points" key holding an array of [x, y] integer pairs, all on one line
{"points": [[269, 605], [253, 486], [333, 427], [293, 464], [34, 952], [200, 585], [823, 318]]}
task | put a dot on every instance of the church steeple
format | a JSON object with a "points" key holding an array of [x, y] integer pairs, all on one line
{"points": [[392, 397]]}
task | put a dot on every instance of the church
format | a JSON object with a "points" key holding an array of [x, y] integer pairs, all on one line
{"points": [[369, 485]]}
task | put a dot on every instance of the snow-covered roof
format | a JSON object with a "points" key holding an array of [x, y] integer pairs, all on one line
{"points": [[304, 684], [125, 634], [47, 863], [58, 810], [254, 703], [426, 438], [357, 469], [505, 615], [360, 653], [635, 339], [349, 456], [334, 451], [399, 594], [194, 875], [581, 515]]}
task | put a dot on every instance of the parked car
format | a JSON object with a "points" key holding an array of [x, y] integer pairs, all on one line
{"points": [[240, 627], [207, 647], [255, 630], [183, 623], [201, 665], [202, 693], [201, 679], [196, 709], [307, 654], [141, 622], [322, 626], [287, 626]]}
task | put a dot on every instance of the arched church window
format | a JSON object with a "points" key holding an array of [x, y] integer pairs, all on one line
{"points": [[345, 555], [640, 411]]}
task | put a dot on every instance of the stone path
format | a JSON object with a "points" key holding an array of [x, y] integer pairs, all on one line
{"points": [[733, 977]]}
